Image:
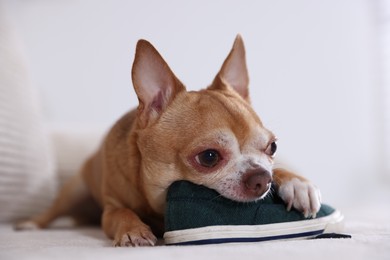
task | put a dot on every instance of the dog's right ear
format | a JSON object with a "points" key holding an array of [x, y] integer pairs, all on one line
{"points": [[154, 82]]}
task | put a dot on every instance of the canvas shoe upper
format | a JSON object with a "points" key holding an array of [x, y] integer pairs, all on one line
{"points": [[198, 215]]}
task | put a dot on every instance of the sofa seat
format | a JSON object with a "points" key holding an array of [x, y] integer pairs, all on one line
{"points": [[368, 224]]}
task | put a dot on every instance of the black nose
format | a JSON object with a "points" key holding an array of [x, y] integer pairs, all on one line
{"points": [[257, 182]]}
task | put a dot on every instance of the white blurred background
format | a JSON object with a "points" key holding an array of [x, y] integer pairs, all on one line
{"points": [[317, 68]]}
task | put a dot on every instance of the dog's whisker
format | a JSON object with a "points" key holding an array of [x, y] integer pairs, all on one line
{"points": [[216, 197]]}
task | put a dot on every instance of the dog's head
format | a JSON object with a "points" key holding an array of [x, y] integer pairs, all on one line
{"points": [[210, 137]]}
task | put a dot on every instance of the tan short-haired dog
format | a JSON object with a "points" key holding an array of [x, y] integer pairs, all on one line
{"points": [[211, 137]]}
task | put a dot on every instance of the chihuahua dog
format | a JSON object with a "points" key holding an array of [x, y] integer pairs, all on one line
{"points": [[211, 137]]}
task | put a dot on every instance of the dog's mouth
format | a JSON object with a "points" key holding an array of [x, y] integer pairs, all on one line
{"points": [[266, 192], [244, 197], [251, 188], [250, 194]]}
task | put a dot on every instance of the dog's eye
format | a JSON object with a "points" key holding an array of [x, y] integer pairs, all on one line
{"points": [[208, 158], [271, 149]]}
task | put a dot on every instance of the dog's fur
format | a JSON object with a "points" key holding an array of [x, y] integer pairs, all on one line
{"points": [[171, 136]]}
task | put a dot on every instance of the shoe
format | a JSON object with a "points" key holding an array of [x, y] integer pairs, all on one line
{"points": [[197, 215]]}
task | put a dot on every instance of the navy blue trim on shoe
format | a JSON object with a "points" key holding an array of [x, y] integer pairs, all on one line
{"points": [[249, 239]]}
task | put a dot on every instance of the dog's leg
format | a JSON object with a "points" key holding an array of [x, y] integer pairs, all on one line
{"points": [[297, 192], [126, 228], [73, 194]]}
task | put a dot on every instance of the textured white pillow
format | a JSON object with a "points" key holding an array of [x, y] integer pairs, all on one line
{"points": [[27, 176]]}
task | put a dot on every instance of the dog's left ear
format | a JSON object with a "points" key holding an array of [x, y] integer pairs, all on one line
{"points": [[234, 71]]}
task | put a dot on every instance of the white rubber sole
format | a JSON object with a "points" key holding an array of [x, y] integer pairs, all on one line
{"points": [[256, 233]]}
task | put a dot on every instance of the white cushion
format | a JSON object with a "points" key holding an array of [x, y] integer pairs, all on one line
{"points": [[27, 176]]}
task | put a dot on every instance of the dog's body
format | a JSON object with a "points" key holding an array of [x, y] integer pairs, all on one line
{"points": [[211, 137]]}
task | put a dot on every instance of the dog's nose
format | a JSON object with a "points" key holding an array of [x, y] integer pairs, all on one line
{"points": [[257, 182]]}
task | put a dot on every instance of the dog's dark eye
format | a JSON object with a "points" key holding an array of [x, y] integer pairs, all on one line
{"points": [[208, 158], [271, 149]]}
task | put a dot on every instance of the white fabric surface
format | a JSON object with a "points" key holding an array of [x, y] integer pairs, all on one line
{"points": [[27, 176], [368, 225]]}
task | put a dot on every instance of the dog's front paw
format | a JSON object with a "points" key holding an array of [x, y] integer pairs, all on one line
{"points": [[301, 195], [26, 225], [141, 236]]}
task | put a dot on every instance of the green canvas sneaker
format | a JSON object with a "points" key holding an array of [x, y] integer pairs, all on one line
{"points": [[196, 215]]}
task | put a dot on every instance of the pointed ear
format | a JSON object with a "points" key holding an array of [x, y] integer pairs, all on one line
{"points": [[154, 82], [234, 71]]}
